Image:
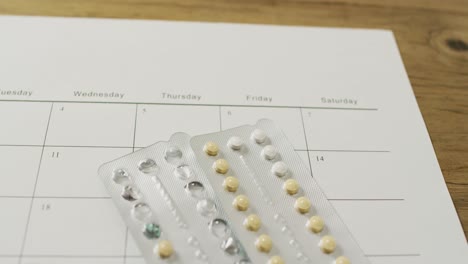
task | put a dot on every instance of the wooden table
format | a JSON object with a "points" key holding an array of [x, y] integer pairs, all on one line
{"points": [[432, 36]]}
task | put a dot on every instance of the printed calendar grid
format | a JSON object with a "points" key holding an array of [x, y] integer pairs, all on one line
{"points": [[129, 257]]}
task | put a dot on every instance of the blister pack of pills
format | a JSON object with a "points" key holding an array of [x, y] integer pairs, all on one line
{"points": [[242, 195], [249, 220], [172, 214], [278, 183]]}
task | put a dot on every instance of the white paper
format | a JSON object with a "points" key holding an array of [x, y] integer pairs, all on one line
{"points": [[75, 93]]}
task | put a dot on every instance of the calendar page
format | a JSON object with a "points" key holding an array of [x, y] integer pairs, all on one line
{"points": [[75, 93]]}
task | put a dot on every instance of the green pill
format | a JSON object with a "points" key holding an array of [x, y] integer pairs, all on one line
{"points": [[152, 231]]}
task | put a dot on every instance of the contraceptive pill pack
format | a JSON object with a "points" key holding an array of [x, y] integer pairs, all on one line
{"points": [[172, 214], [242, 195]]}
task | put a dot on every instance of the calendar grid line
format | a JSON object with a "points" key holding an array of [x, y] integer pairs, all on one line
{"points": [[394, 255], [133, 150], [125, 246], [191, 104], [35, 186], [346, 150], [368, 199], [220, 120], [55, 197], [135, 127], [306, 142], [65, 146]]}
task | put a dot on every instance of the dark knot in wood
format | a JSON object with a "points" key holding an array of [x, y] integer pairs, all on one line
{"points": [[457, 44]]}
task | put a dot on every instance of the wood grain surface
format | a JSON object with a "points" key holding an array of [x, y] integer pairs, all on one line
{"points": [[432, 36]]}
